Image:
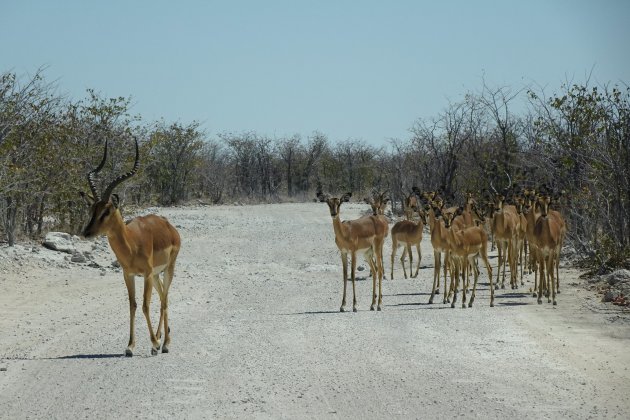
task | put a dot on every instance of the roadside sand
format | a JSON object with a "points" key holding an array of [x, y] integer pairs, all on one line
{"points": [[256, 332]]}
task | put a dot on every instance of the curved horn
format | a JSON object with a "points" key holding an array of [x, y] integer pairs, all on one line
{"points": [[90, 175], [121, 178], [509, 179], [493, 189]]}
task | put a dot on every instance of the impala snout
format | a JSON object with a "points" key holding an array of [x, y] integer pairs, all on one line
{"points": [[89, 232]]}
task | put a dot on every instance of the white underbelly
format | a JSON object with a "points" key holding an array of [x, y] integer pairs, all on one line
{"points": [[158, 269]]}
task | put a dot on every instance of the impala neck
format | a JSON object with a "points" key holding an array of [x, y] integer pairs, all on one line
{"points": [[432, 220], [452, 237], [338, 226], [118, 238]]}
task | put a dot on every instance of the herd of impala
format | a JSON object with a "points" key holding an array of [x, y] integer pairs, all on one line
{"points": [[520, 222]]}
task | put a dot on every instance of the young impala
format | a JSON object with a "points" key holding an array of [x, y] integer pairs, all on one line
{"points": [[365, 235]]}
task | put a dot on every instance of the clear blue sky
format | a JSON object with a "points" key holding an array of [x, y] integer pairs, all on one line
{"points": [[350, 69]]}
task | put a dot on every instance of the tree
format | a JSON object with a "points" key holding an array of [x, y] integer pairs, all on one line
{"points": [[175, 157]]}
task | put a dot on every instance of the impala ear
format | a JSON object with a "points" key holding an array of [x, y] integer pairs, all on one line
{"points": [[115, 200], [320, 196], [88, 199], [346, 197]]}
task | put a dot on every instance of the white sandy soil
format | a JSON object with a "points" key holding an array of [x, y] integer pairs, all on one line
{"points": [[257, 333]]}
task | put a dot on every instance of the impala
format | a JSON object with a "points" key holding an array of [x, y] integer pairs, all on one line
{"points": [[465, 246], [563, 232], [505, 223], [378, 202], [365, 234], [407, 233], [532, 213], [548, 239], [521, 234], [440, 246], [146, 246], [410, 205]]}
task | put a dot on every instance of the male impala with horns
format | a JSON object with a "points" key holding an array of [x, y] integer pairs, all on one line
{"points": [[146, 246]]}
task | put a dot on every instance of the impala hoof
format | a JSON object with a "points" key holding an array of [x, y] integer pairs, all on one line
{"points": [[371, 308], [154, 351], [354, 309], [492, 304], [128, 353], [540, 301], [379, 308], [555, 303], [342, 309], [164, 349]]}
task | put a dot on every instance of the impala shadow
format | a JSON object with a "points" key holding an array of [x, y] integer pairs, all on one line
{"points": [[409, 294], [72, 357], [88, 356], [315, 312]]}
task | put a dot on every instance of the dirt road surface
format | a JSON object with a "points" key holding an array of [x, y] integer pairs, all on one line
{"points": [[256, 333]]}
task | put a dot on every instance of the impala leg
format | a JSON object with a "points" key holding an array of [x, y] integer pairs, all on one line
{"points": [[489, 271], [410, 260], [534, 263], [379, 250], [454, 273], [146, 303], [554, 279], [157, 284], [402, 260], [512, 263], [131, 291], [353, 262], [475, 269], [419, 259], [521, 259], [437, 290], [168, 279], [394, 249], [447, 291], [456, 285], [375, 274], [500, 259], [344, 263], [515, 264], [550, 276], [557, 260], [465, 281], [505, 263], [436, 273], [525, 256], [541, 268]]}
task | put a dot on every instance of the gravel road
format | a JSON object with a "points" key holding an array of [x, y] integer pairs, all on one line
{"points": [[256, 333]]}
